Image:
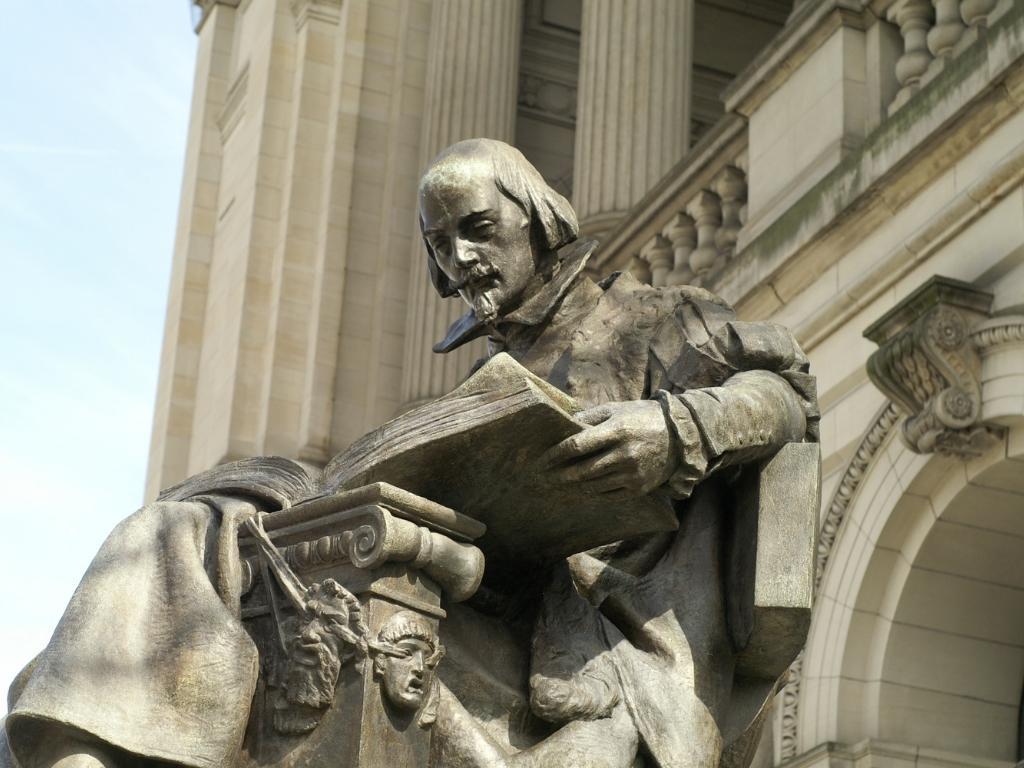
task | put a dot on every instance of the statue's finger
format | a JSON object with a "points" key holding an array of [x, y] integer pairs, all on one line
{"points": [[592, 467], [618, 481], [594, 415], [581, 444]]}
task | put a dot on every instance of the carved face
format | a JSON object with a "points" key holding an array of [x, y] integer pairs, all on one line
{"points": [[320, 645], [406, 678], [480, 238]]}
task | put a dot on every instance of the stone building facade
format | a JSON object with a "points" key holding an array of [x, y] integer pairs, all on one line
{"points": [[853, 169]]}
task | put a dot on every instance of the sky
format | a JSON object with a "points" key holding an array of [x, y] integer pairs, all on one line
{"points": [[94, 107]]}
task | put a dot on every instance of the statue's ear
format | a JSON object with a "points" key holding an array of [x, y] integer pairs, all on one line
{"points": [[378, 666]]}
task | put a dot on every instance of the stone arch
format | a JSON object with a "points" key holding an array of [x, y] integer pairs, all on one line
{"points": [[918, 633]]}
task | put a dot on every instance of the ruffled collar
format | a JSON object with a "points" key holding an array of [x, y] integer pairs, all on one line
{"points": [[572, 259]]}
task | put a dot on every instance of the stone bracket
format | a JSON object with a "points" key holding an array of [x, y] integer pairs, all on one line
{"points": [[927, 364]]}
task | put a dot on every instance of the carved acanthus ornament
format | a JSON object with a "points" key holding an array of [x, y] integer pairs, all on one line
{"points": [[927, 364]]}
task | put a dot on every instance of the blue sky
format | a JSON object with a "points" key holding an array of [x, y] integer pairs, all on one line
{"points": [[95, 102]]}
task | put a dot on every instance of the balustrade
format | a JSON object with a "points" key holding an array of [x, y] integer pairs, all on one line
{"points": [[948, 29], [731, 187], [682, 234], [933, 32], [914, 18], [976, 13], [658, 255], [687, 227]]}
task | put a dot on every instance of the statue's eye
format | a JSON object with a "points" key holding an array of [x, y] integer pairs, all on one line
{"points": [[483, 229]]}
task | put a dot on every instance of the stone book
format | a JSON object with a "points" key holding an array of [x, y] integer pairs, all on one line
{"points": [[479, 449]]}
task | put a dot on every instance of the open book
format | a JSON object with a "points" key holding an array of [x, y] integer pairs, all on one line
{"points": [[477, 450]]}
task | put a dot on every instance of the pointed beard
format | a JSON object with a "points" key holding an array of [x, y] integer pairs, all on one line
{"points": [[484, 307]]}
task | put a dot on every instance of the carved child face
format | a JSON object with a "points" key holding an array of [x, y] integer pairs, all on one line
{"points": [[406, 678], [480, 238]]}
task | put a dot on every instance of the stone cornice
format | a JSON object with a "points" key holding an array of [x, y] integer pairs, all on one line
{"points": [[321, 10], [205, 6]]}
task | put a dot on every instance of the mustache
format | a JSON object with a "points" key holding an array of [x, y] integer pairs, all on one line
{"points": [[475, 274]]}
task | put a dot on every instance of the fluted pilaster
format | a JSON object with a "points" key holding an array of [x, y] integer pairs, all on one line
{"points": [[633, 109], [472, 70]]}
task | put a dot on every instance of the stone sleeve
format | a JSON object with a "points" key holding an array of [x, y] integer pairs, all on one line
{"points": [[749, 417]]}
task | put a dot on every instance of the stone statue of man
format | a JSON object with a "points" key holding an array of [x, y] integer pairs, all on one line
{"points": [[630, 654], [633, 652]]}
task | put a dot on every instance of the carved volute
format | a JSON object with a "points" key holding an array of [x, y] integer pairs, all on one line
{"points": [[927, 364]]}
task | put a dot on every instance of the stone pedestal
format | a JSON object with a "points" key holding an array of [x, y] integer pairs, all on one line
{"points": [[633, 113], [472, 76], [395, 554]]}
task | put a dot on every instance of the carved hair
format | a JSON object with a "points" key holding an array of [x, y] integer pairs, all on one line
{"points": [[552, 219], [406, 625]]}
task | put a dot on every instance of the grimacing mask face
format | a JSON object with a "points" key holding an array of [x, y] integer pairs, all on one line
{"points": [[480, 238], [406, 678]]}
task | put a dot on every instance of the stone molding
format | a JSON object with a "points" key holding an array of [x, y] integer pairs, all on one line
{"points": [[986, 337], [873, 753], [927, 364], [842, 499], [205, 6], [234, 104], [321, 10], [1007, 329], [548, 98]]}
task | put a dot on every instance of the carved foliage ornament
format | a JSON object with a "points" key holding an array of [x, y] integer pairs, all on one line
{"points": [[927, 364]]}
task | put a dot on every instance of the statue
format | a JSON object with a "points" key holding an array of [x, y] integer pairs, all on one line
{"points": [[662, 649], [405, 655]]}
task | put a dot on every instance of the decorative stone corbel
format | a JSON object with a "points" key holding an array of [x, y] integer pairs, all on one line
{"points": [[928, 365]]}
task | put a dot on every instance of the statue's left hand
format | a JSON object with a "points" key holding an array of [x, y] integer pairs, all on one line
{"points": [[628, 446]]}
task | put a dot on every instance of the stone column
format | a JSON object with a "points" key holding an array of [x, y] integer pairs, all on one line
{"points": [[472, 75], [633, 110]]}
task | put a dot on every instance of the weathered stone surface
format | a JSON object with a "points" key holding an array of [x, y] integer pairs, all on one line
{"points": [[268, 613]]}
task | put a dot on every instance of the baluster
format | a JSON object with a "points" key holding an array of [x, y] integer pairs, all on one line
{"points": [[706, 210], [731, 186], [975, 12], [948, 28], [683, 236], [914, 17], [638, 268], [743, 163], [658, 254]]}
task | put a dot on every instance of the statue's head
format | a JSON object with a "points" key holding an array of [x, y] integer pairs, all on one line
{"points": [[491, 224], [325, 637], [405, 655]]}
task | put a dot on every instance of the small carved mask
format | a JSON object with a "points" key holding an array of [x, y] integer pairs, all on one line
{"points": [[405, 656], [324, 639]]}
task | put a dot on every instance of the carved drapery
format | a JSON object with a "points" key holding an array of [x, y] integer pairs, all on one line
{"points": [[927, 364]]}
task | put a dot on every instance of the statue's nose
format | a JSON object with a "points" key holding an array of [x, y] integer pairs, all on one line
{"points": [[463, 253], [310, 634], [418, 664]]}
